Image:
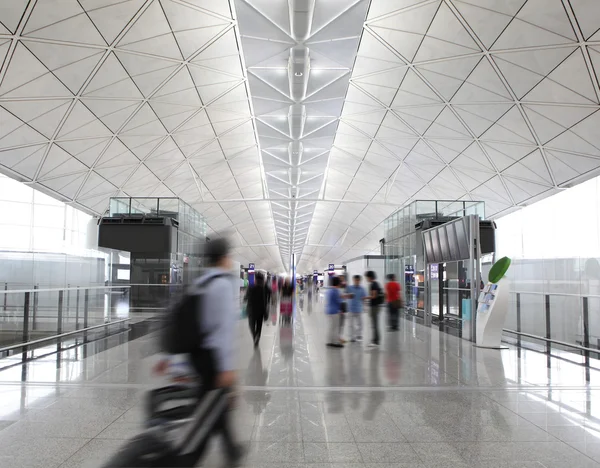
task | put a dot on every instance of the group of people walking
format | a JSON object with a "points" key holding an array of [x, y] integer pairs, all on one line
{"points": [[346, 301], [261, 302]]}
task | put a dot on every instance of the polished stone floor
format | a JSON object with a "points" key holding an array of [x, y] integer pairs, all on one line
{"points": [[424, 399]]}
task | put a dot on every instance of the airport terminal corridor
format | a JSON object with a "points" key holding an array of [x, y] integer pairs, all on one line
{"points": [[425, 398]]}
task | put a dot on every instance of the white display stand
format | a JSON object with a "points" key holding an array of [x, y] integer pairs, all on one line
{"points": [[491, 314]]}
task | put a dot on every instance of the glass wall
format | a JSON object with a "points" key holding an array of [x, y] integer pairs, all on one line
{"points": [[31, 220], [50, 281], [555, 248], [403, 246]]}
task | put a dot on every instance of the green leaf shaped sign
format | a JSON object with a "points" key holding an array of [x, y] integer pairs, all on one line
{"points": [[499, 269]]}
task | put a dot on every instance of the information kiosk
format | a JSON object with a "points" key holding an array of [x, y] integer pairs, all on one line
{"points": [[493, 307]]}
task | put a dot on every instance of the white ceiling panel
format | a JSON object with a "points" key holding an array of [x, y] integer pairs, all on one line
{"points": [[319, 127]]}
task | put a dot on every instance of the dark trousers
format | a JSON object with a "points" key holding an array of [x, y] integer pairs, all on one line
{"points": [[205, 364], [374, 314], [256, 323], [394, 318]]}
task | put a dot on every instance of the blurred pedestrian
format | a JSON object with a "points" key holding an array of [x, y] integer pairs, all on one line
{"points": [[375, 298], [215, 361], [394, 301], [333, 304], [286, 301], [257, 299], [343, 307], [198, 343], [355, 305]]}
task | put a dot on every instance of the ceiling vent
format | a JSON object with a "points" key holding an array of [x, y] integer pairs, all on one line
{"points": [[298, 69]]}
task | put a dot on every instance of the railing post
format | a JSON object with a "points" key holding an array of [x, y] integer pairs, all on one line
{"points": [[59, 318], [548, 327], [26, 318], [5, 295], [68, 306], [519, 319], [586, 330], [86, 303], [77, 310], [35, 308]]}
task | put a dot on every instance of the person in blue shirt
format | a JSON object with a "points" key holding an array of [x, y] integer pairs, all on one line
{"points": [[333, 306], [355, 306]]}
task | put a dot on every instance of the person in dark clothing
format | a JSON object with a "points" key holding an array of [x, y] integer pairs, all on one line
{"points": [[258, 297], [375, 299]]}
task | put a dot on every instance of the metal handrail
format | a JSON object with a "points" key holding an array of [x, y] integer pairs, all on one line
{"points": [[62, 335], [562, 343], [15, 291], [537, 293]]}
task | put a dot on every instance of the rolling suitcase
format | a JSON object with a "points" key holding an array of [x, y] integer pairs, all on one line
{"points": [[178, 428]]}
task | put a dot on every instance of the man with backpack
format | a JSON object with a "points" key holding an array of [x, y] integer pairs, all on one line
{"points": [[214, 360], [199, 331], [376, 299], [207, 337]]}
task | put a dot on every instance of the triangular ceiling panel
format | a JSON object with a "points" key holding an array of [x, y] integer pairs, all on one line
{"points": [[25, 160], [112, 81], [147, 72], [488, 18], [531, 168], [566, 167], [550, 121], [43, 116], [404, 31], [511, 127], [111, 17], [151, 34], [86, 151], [71, 64], [480, 117], [525, 69], [58, 163], [446, 38], [521, 191], [568, 83], [448, 76], [26, 76], [11, 13], [374, 56], [69, 23], [482, 85], [538, 23]]}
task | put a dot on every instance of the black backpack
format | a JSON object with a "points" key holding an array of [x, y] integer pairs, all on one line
{"points": [[181, 332]]}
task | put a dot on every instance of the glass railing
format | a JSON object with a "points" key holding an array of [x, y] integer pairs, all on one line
{"points": [[561, 321], [32, 317]]}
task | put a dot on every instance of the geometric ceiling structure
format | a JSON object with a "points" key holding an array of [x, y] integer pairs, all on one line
{"points": [[397, 100], [299, 56], [462, 100], [141, 98]]}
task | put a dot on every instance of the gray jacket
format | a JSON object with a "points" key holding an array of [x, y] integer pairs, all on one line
{"points": [[217, 321]]}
